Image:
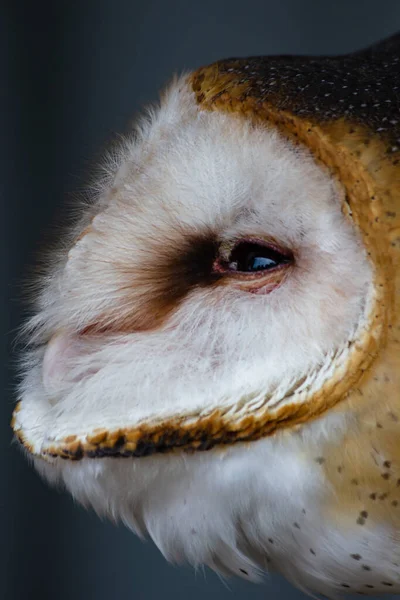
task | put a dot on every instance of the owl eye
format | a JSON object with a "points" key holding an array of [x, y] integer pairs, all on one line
{"points": [[251, 257]]}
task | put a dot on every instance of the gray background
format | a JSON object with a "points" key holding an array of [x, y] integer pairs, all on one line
{"points": [[74, 73]]}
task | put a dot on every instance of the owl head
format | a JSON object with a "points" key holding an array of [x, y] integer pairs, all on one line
{"points": [[223, 291], [215, 274]]}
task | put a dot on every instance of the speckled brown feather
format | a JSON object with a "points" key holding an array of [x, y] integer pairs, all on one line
{"points": [[363, 88], [345, 110]]}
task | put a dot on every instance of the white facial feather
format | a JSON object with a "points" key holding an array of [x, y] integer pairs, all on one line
{"points": [[185, 173]]}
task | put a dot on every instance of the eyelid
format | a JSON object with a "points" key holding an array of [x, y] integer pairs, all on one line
{"points": [[223, 266], [227, 247]]}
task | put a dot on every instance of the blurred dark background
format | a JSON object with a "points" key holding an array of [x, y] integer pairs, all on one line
{"points": [[72, 74]]}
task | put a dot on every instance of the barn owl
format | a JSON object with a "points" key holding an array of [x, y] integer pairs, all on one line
{"points": [[213, 357]]}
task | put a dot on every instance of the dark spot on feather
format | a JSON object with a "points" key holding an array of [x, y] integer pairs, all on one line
{"points": [[155, 285]]}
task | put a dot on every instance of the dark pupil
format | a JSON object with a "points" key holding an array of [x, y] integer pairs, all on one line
{"points": [[255, 257]]}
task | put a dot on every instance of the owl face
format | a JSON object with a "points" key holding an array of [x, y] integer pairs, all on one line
{"points": [[214, 269]]}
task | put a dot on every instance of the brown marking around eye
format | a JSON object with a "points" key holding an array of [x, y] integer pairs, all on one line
{"points": [[154, 288], [166, 273]]}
